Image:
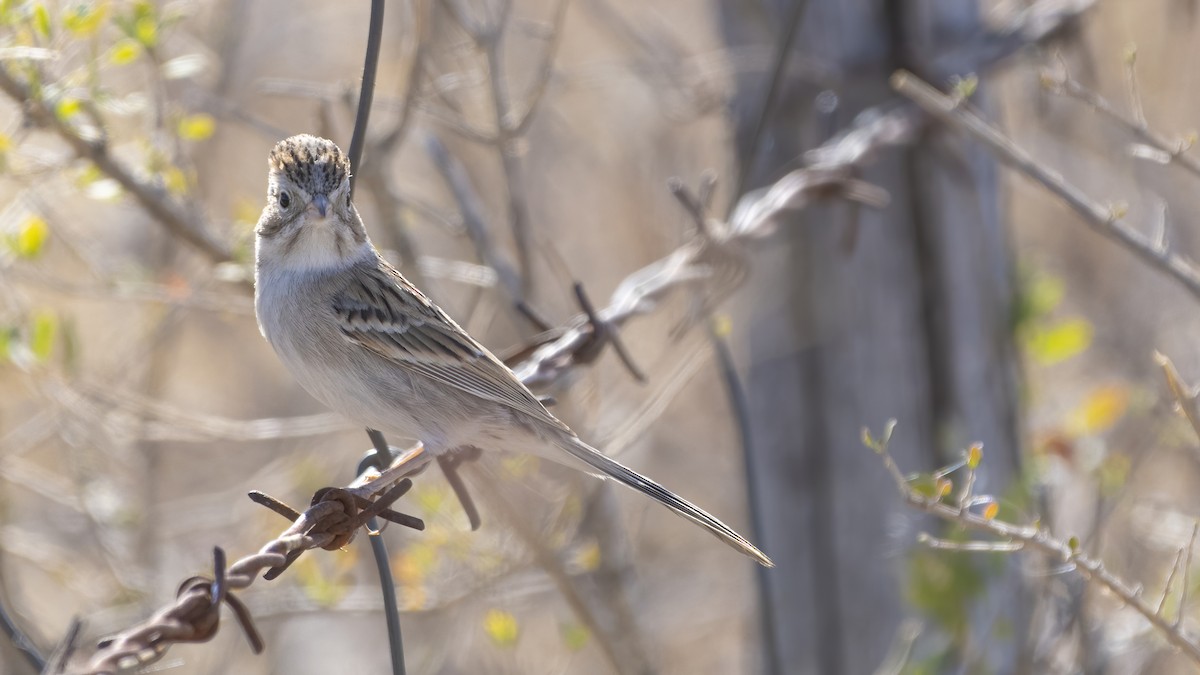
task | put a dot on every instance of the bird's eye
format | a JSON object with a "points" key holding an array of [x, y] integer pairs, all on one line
{"points": [[285, 200]]}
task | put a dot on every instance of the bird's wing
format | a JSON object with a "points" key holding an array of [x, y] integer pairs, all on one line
{"points": [[383, 312]]}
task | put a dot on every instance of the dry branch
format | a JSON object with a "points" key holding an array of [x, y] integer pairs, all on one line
{"points": [[1103, 219], [1060, 82]]}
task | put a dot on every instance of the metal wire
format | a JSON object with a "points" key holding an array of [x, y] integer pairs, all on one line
{"points": [[382, 454], [20, 640], [378, 458], [367, 92]]}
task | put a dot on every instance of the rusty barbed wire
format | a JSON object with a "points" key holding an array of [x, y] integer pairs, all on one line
{"points": [[329, 523]]}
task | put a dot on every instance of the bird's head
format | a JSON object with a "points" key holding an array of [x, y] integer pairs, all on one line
{"points": [[309, 220]]}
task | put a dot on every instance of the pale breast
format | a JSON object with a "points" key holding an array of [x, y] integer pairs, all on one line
{"points": [[295, 316]]}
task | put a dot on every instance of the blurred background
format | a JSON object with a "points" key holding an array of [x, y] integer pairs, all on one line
{"points": [[517, 147]]}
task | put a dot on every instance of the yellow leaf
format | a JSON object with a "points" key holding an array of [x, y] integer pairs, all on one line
{"points": [[83, 19], [67, 107], [587, 556], [722, 325], [965, 87], [125, 52], [501, 627], [1130, 54], [413, 598], [431, 498], [413, 564], [246, 211], [944, 486], [41, 19], [324, 589], [990, 511], [31, 237], [175, 180], [197, 127], [145, 30], [1059, 342], [974, 456], [519, 466], [1114, 474], [1102, 409]]}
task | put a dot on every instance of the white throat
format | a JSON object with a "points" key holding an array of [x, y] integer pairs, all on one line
{"points": [[316, 244]]}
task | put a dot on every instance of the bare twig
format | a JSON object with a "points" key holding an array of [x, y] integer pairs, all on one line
{"points": [[472, 212], [1187, 572], [783, 50], [1162, 601], [1105, 220], [1061, 82], [510, 121], [1184, 396], [1135, 96]]}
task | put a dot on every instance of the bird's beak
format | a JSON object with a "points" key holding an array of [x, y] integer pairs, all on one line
{"points": [[322, 204]]}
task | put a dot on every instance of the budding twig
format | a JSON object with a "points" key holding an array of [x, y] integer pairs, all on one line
{"points": [[1033, 537]]}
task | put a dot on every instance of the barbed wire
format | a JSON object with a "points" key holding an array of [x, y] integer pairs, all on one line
{"points": [[330, 523]]}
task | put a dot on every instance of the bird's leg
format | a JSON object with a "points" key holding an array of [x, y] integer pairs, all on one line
{"points": [[408, 464], [449, 464]]}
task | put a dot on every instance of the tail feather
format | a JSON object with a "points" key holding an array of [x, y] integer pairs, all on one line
{"points": [[608, 467]]}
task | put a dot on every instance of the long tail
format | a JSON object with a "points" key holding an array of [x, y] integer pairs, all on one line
{"points": [[607, 467]]}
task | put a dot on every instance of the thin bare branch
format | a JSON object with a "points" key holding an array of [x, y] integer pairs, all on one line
{"points": [[1061, 82], [1105, 220], [517, 121]]}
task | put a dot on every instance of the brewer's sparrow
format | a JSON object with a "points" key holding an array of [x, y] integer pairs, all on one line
{"points": [[367, 343]]}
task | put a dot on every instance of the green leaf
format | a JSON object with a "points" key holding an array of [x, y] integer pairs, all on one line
{"points": [[1059, 342], [574, 635], [943, 586], [926, 485], [8, 335], [1037, 295], [43, 329], [70, 346]]}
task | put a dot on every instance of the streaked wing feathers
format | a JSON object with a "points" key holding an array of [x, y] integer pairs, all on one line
{"points": [[383, 312]]}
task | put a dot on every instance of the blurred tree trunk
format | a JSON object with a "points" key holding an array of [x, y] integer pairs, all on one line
{"points": [[864, 316]]}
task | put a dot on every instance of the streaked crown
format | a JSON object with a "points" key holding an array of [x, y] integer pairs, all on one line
{"points": [[315, 165]]}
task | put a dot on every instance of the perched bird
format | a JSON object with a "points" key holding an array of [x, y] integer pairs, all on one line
{"points": [[367, 343]]}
